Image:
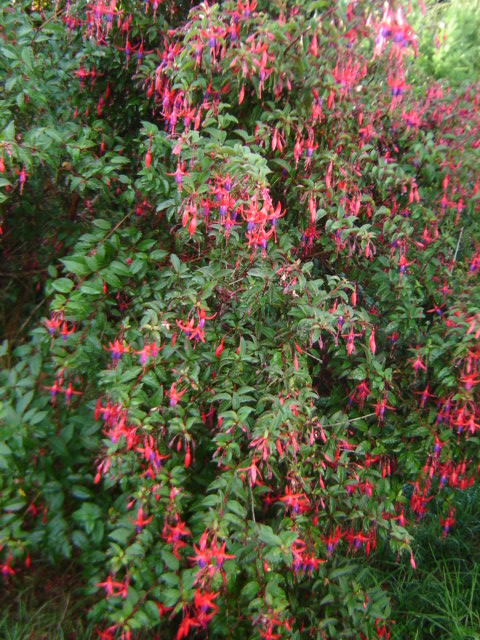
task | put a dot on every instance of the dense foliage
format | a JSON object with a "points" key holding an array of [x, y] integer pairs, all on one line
{"points": [[260, 354]]}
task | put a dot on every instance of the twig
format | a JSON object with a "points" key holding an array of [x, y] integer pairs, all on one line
{"points": [[65, 609], [458, 245], [16, 274], [56, 14], [30, 316], [295, 40], [314, 357], [335, 424], [117, 225], [253, 507]]}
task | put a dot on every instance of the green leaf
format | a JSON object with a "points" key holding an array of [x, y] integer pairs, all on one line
{"points": [[23, 402], [170, 560], [75, 265], [82, 493], [235, 507], [63, 285], [170, 597], [105, 225], [266, 535], [121, 535], [27, 58], [5, 449], [119, 160], [9, 52], [250, 590]]}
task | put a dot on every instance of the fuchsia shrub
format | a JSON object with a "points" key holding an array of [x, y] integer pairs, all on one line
{"points": [[262, 353]]}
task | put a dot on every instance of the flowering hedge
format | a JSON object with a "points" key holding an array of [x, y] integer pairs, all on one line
{"points": [[261, 350]]}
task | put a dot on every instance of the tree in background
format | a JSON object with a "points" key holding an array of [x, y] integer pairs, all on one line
{"points": [[449, 42]]}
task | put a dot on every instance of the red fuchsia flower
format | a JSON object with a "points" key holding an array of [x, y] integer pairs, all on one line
{"points": [[65, 331], [53, 323], [382, 630], [172, 534], [332, 540], [447, 522], [258, 239], [380, 407], [350, 336], [397, 516], [297, 502], [54, 389], [22, 176], [307, 238], [211, 36], [202, 553], [310, 147], [418, 500], [297, 151], [274, 216], [219, 348], [269, 634], [356, 540], [184, 628], [360, 394], [218, 554], [151, 454], [6, 569], [174, 395], [107, 634], [197, 332], [469, 380], [302, 560], [178, 174], [202, 603], [140, 521], [417, 364], [362, 487], [149, 350], [111, 585], [253, 473], [102, 469], [117, 349], [424, 395], [209, 557], [69, 392], [121, 429]]}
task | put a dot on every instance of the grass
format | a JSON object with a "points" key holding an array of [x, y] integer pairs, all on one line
{"points": [[440, 600], [43, 605]]}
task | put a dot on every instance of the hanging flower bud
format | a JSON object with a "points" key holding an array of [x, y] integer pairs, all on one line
{"points": [[148, 158], [371, 342], [219, 349]]}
